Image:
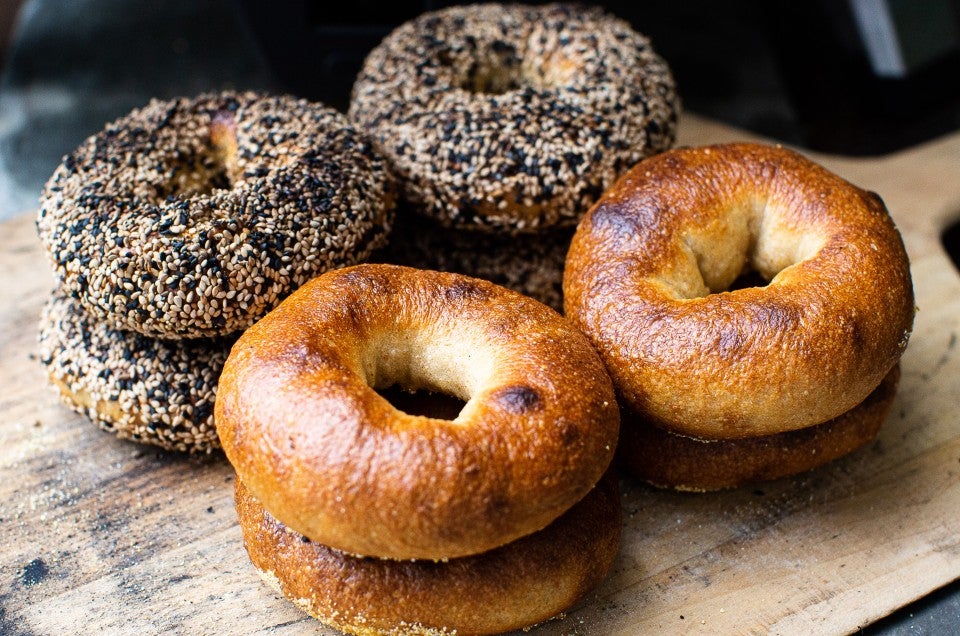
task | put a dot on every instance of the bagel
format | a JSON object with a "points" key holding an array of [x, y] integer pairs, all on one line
{"points": [[142, 389], [531, 266], [512, 587], [669, 460], [649, 267], [512, 117], [193, 217], [299, 419]]}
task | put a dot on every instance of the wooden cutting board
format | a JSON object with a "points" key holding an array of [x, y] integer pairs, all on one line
{"points": [[103, 536]]}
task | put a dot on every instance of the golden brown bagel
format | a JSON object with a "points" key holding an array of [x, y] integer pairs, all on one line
{"points": [[514, 586], [669, 460], [647, 269], [299, 419]]}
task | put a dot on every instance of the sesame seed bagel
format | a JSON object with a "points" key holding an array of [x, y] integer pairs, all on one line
{"points": [[158, 392], [300, 421], [529, 264], [517, 585], [650, 265], [193, 217], [512, 117], [669, 460]]}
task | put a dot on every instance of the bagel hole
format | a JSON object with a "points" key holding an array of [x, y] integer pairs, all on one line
{"points": [[423, 403], [210, 168], [450, 363], [491, 80], [748, 246], [748, 278], [488, 68]]}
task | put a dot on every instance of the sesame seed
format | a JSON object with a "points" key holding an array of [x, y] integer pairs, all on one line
{"points": [[493, 116], [165, 389], [173, 199]]}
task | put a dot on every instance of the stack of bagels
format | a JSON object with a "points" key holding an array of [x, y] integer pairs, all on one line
{"points": [[178, 226], [733, 313], [378, 521], [720, 384], [503, 124]]}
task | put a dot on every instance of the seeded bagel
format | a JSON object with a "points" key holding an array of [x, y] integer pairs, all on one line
{"points": [[529, 264], [193, 217], [158, 392], [513, 117]]}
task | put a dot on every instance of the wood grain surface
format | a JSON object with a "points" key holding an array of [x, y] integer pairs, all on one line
{"points": [[103, 536]]}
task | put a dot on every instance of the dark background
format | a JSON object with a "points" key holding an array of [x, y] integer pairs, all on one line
{"points": [[798, 72]]}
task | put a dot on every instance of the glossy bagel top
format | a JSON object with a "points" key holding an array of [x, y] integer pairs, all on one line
{"points": [[299, 418], [647, 274]]}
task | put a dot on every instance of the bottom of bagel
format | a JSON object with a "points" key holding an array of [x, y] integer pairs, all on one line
{"points": [[531, 264], [147, 390], [515, 586], [668, 460]]}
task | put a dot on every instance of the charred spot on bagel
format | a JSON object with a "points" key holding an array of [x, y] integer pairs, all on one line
{"points": [[465, 290], [518, 399]]}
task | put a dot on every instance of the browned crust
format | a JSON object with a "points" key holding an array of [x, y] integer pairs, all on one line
{"points": [[756, 361], [336, 462], [517, 585], [674, 461]]}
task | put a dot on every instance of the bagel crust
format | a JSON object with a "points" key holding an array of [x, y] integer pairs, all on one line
{"points": [[648, 269], [507, 118], [530, 265], [515, 586], [194, 217], [669, 460], [314, 442]]}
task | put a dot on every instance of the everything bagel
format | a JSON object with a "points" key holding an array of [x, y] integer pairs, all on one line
{"points": [[299, 419], [649, 267], [509, 118], [193, 217]]}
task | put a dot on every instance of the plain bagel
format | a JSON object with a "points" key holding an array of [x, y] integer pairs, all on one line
{"points": [[669, 460], [299, 419], [649, 266], [512, 587]]}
